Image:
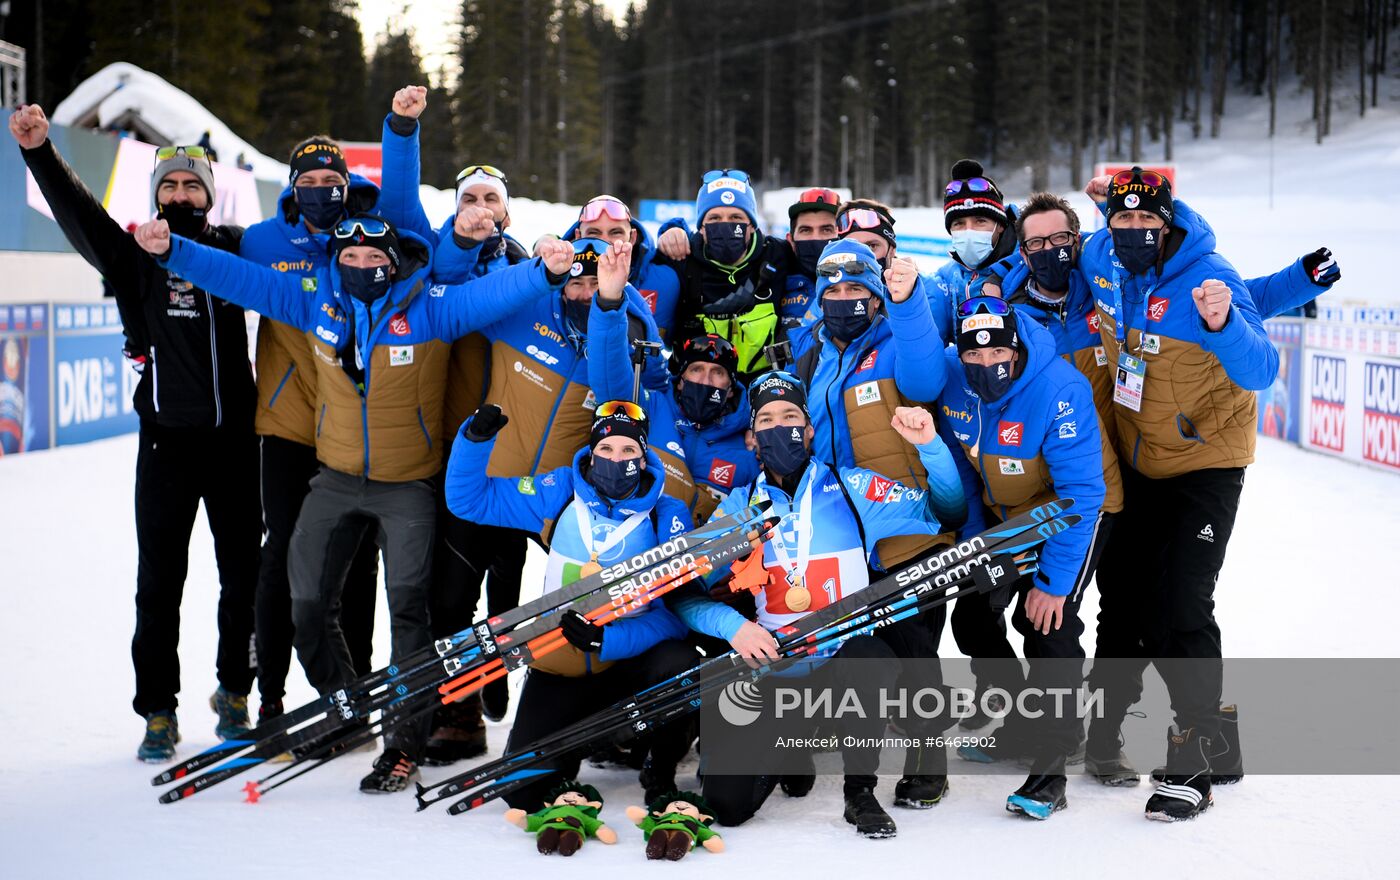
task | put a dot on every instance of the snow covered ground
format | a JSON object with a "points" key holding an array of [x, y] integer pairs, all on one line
{"points": [[74, 802]]}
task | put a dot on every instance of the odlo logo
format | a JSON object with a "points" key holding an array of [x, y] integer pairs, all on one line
{"points": [[740, 703]]}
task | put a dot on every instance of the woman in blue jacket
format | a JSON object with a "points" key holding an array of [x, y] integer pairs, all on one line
{"points": [[605, 507]]}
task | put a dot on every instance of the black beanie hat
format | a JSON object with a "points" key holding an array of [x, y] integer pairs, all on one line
{"points": [[983, 329], [615, 420], [966, 202], [1139, 195], [387, 241], [316, 153], [776, 385]]}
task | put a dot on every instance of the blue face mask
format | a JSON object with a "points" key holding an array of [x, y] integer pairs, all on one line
{"points": [[725, 242], [1137, 249], [365, 284], [321, 206], [576, 310], [702, 404], [615, 479], [1051, 267], [973, 246], [809, 253], [847, 319], [989, 382], [783, 450]]}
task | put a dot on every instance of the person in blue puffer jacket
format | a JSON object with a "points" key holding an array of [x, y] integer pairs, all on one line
{"points": [[603, 508], [698, 425], [981, 224], [832, 519], [1026, 419]]}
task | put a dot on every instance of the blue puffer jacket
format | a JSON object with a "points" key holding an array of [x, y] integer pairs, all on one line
{"points": [[561, 504], [1197, 410], [1040, 441], [713, 457], [656, 278], [381, 368]]}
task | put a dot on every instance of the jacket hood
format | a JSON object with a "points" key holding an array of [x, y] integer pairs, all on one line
{"points": [[646, 501], [1040, 350], [414, 266], [362, 198], [1199, 240]]}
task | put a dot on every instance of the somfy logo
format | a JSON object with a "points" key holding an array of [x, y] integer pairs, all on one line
{"points": [[740, 703]]}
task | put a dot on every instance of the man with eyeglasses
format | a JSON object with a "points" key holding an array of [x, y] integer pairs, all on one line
{"points": [[468, 556], [380, 333], [732, 274], [195, 400], [1188, 346], [320, 193], [653, 275]]}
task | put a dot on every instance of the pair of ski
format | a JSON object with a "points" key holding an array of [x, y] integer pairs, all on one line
{"points": [[989, 562], [451, 668]]}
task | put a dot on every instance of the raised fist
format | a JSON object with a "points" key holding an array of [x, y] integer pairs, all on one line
{"points": [[29, 126], [154, 237], [411, 101], [900, 278], [475, 222], [1213, 302], [1097, 188], [558, 256], [914, 424]]}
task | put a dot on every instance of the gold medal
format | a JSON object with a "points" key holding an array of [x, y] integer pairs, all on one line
{"points": [[797, 598], [590, 568]]}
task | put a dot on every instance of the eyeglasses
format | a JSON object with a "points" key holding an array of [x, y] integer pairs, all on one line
{"points": [[369, 227], [992, 305], [1041, 242], [972, 184], [852, 267], [626, 407], [1151, 178], [195, 152], [860, 218], [488, 170], [712, 176], [604, 205], [819, 196]]}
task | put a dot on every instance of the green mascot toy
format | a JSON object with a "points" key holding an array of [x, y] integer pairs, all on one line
{"points": [[570, 814], [674, 823]]}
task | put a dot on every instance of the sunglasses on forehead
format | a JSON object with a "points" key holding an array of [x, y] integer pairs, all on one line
{"points": [[488, 170], [972, 184], [366, 226], [626, 407], [193, 152], [1151, 178], [852, 268], [819, 196], [712, 176]]}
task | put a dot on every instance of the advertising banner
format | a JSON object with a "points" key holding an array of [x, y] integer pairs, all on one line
{"points": [[1279, 405], [1352, 406], [24, 378], [93, 383]]}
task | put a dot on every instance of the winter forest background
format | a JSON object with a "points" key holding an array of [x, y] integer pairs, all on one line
{"points": [[880, 96]]}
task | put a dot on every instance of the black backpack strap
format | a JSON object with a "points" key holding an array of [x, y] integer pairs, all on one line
{"points": [[806, 366]]}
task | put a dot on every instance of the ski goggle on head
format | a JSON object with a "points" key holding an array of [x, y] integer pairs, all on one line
{"points": [[626, 407], [363, 226], [605, 206], [194, 152], [819, 196], [992, 305], [866, 219], [971, 184], [1151, 178], [488, 170], [712, 176]]}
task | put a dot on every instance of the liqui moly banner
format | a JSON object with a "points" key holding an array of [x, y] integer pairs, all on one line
{"points": [[1351, 407]]}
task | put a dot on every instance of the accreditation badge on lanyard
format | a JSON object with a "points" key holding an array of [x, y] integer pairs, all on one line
{"points": [[797, 597], [1131, 374]]}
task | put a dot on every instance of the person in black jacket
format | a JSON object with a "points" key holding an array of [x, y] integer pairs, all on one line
{"points": [[195, 401]]}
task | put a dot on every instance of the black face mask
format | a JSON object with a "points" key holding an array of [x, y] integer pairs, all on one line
{"points": [[701, 404], [615, 479], [321, 206], [1137, 249], [726, 242], [847, 319], [577, 313], [989, 382], [185, 220], [365, 284], [809, 253], [1051, 267], [783, 450]]}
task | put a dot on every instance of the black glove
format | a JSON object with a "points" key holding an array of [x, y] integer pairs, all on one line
{"points": [[736, 303], [485, 424], [1321, 268], [582, 633]]}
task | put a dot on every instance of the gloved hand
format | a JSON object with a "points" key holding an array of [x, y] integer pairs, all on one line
{"points": [[736, 303], [581, 633], [485, 423], [1322, 269]]}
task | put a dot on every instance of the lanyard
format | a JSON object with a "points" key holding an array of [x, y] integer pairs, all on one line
{"points": [[583, 518], [1120, 327], [802, 526]]}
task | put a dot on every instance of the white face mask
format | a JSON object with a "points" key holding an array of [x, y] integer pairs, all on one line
{"points": [[973, 246]]}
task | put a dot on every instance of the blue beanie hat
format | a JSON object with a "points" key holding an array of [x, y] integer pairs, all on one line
{"points": [[846, 259], [726, 191]]}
